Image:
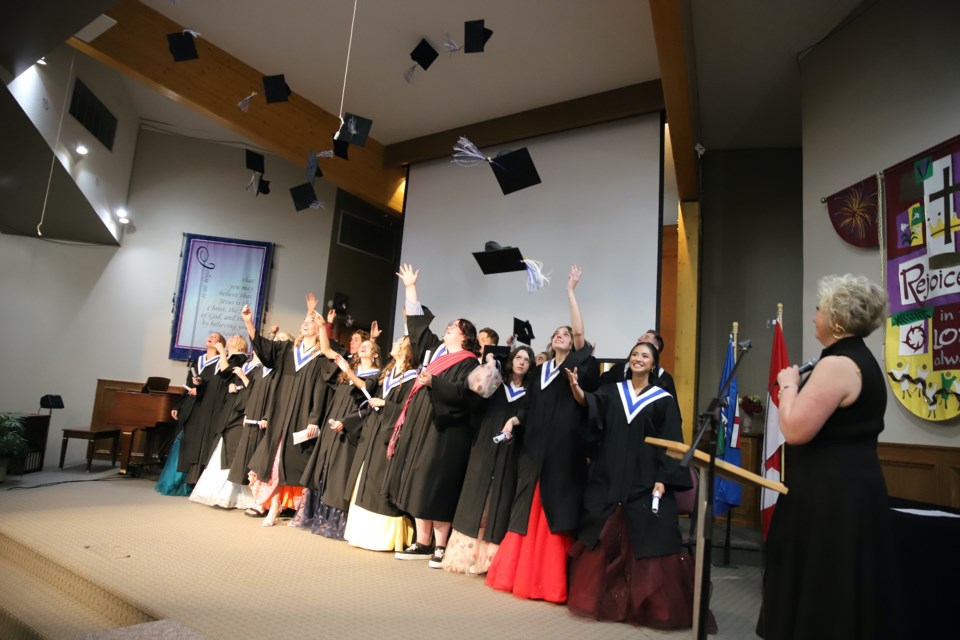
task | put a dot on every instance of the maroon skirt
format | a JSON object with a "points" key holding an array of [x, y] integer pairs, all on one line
{"points": [[609, 583]]}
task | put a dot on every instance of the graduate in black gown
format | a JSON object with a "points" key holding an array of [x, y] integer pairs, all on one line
{"points": [[431, 439], [373, 522], [663, 378], [627, 565], [171, 481], [830, 560], [483, 512], [324, 506], [303, 371], [208, 391], [551, 471]]}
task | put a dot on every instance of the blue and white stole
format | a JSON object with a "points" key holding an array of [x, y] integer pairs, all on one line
{"points": [[514, 392], [203, 361], [441, 351], [394, 379], [301, 356], [548, 373], [249, 366], [266, 371], [367, 373], [634, 404]]}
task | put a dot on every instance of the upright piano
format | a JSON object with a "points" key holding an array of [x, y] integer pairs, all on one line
{"points": [[143, 418]]}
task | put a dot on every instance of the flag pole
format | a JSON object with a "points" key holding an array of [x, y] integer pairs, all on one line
{"points": [[726, 543]]}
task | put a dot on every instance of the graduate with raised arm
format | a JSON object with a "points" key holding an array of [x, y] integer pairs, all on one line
{"points": [[303, 368], [430, 444], [551, 472]]}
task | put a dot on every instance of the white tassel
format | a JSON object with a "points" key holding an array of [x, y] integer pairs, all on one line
{"points": [[451, 44], [244, 104], [195, 34], [316, 204], [467, 154], [536, 278], [325, 154], [253, 179], [352, 126], [408, 74]]}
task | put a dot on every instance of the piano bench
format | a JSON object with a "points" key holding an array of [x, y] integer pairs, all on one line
{"points": [[91, 437]]}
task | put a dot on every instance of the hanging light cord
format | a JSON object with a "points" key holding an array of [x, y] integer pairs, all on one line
{"points": [[346, 68], [53, 159]]}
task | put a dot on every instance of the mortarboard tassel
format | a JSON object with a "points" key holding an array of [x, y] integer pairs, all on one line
{"points": [[408, 74], [451, 45], [194, 34], [325, 154], [467, 154], [253, 179], [536, 278], [244, 104], [351, 125], [316, 204]]}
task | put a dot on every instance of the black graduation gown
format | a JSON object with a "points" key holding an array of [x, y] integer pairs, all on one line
{"points": [[372, 447], [329, 465], [830, 560], [491, 478], [664, 380], [231, 422], [426, 473], [553, 450], [626, 468], [257, 407], [196, 426], [299, 400]]}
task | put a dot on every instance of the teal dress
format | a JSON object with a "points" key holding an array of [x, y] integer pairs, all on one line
{"points": [[171, 481]]}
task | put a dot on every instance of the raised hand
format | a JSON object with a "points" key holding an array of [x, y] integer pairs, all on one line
{"points": [[573, 377], [374, 330], [311, 302], [573, 278], [246, 313], [331, 315], [408, 275]]}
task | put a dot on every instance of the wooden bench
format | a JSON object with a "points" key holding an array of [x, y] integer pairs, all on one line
{"points": [[91, 437]]}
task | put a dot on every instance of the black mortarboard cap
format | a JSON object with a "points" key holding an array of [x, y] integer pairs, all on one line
{"points": [[303, 195], [497, 259], [313, 167], [275, 88], [182, 47], [355, 129], [340, 147], [255, 161], [424, 54], [263, 186], [514, 170], [523, 331], [475, 36]]}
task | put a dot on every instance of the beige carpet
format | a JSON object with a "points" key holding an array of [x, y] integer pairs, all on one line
{"points": [[223, 575]]}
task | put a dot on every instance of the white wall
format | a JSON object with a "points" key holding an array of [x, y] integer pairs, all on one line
{"points": [[73, 314], [597, 206], [44, 92], [877, 92]]}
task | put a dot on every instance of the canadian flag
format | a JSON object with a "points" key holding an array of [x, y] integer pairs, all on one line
{"points": [[772, 437]]}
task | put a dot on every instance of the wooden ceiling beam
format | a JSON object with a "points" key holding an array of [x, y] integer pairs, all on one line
{"points": [[633, 100], [214, 83], [673, 35]]}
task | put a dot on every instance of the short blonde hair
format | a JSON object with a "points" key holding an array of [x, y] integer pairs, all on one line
{"points": [[851, 304]]}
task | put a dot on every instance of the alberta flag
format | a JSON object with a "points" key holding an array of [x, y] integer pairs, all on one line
{"points": [[728, 494], [773, 437]]}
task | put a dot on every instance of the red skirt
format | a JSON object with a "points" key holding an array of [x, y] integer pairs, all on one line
{"points": [[534, 566], [609, 583]]}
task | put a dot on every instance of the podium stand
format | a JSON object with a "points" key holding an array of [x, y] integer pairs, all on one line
{"points": [[729, 471]]}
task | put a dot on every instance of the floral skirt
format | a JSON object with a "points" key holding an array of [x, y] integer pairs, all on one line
{"points": [[609, 583], [263, 492], [532, 566], [468, 555]]}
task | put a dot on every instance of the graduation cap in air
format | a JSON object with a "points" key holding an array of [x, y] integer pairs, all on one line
{"points": [[514, 170], [423, 55], [313, 167], [304, 197], [255, 163], [181, 45], [496, 259], [275, 88], [354, 129], [340, 148], [523, 331], [475, 36]]}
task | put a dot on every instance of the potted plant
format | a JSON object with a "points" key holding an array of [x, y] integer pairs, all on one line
{"points": [[13, 443], [752, 407]]}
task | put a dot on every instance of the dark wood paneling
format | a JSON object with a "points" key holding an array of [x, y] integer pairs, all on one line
{"points": [[921, 472]]}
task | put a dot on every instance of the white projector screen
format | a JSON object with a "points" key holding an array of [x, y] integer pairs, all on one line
{"points": [[598, 206]]}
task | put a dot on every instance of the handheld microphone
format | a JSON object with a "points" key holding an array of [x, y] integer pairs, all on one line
{"points": [[655, 503], [808, 366]]}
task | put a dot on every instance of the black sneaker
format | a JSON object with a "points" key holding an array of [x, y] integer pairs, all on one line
{"points": [[436, 560], [416, 551]]}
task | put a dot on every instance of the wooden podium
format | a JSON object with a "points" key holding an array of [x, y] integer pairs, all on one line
{"points": [[729, 471]]}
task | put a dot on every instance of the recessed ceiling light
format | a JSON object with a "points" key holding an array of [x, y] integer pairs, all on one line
{"points": [[42, 61], [82, 149], [122, 216]]}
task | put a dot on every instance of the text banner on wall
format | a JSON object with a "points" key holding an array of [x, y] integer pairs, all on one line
{"points": [[217, 277]]}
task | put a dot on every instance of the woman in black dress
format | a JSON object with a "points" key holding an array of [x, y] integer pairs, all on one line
{"points": [[551, 471], [208, 392], [627, 565], [491, 480], [829, 556]]}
